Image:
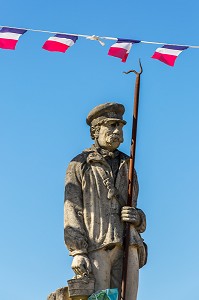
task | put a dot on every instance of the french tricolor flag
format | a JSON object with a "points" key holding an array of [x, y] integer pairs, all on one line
{"points": [[168, 53], [60, 42], [9, 37], [122, 48]]}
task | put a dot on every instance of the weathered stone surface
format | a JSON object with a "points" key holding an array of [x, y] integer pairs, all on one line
{"points": [[81, 287], [52, 296], [95, 208], [59, 294]]}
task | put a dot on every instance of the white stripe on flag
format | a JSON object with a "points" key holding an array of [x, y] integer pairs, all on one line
{"points": [[168, 51], [65, 41], [128, 50], [10, 35], [126, 46]]}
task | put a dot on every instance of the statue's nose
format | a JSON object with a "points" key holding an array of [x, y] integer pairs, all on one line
{"points": [[116, 130]]}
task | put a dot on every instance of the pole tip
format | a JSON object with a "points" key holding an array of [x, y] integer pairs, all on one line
{"points": [[141, 69]]}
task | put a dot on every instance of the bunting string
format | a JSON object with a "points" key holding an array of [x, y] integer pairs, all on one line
{"points": [[61, 41], [100, 37]]}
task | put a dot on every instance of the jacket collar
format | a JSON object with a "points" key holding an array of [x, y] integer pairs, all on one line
{"points": [[97, 154]]}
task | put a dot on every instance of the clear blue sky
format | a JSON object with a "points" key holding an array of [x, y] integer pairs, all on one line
{"points": [[45, 98]]}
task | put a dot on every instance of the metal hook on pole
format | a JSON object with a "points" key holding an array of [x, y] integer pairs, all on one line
{"points": [[137, 73]]}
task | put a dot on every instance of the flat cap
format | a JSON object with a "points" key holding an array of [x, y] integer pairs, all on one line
{"points": [[105, 112]]}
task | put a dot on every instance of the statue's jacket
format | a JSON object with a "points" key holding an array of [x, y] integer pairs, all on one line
{"points": [[93, 201]]}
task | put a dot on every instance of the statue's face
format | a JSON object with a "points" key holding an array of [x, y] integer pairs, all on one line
{"points": [[110, 135]]}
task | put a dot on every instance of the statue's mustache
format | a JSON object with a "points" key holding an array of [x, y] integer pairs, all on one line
{"points": [[114, 138]]}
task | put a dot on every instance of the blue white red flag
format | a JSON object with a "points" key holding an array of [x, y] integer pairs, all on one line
{"points": [[9, 37], [60, 42], [168, 53], [122, 48]]}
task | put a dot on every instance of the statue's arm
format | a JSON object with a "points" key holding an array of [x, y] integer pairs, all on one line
{"points": [[74, 229]]}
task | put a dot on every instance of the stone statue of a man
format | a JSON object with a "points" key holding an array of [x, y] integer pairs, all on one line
{"points": [[95, 205]]}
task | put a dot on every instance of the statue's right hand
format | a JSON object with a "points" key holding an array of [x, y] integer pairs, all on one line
{"points": [[81, 265]]}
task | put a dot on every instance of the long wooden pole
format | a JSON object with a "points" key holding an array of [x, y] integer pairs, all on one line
{"points": [[131, 177]]}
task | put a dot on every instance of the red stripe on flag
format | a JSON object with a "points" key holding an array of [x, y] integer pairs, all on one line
{"points": [[125, 57], [55, 46], [165, 58], [8, 44], [117, 52]]}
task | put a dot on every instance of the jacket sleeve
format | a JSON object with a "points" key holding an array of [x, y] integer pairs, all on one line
{"points": [[142, 226], [74, 229]]}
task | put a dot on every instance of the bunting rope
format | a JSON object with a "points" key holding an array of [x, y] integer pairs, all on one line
{"points": [[96, 37], [61, 41]]}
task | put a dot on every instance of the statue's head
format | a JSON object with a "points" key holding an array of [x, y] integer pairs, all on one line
{"points": [[106, 125]]}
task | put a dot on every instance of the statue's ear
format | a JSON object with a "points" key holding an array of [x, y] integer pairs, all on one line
{"points": [[96, 134], [94, 130]]}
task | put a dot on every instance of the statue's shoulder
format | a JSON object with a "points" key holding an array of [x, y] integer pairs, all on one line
{"points": [[77, 166], [80, 160], [82, 157]]}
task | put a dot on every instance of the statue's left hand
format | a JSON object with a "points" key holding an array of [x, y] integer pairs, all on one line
{"points": [[81, 264], [131, 215]]}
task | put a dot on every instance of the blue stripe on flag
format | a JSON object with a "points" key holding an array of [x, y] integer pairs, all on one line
{"points": [[13, 30], [127, 41], [174, 47], [67, 36]]}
